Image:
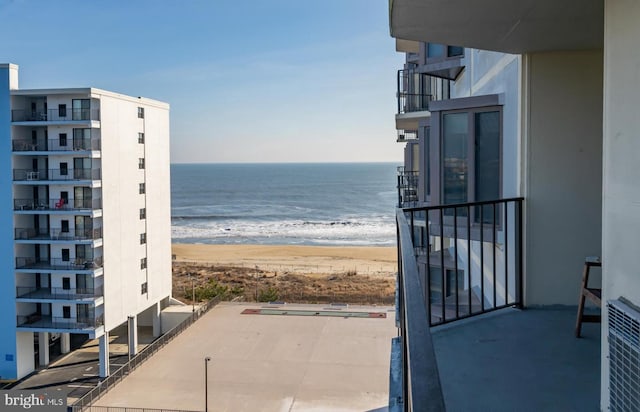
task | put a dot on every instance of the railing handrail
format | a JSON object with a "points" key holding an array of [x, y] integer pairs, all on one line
{"points": [[54, 144], [57, 233], [460, 205], [55, 204], [423, 388], [71, 173], [54, 115], [58, 322], [96, 291], [23, 262]]}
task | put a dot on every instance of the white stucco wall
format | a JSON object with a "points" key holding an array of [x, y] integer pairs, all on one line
{"points": [[122, 202], [621, 174], [25, 355], [562, 131]]}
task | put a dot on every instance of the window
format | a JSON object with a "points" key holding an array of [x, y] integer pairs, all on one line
{"points": [[143, 238], [62, 110], [65, 255], [80, 109], [66, 312], [470, 159], [141, 163], [82, 139], [143, 213], [143, 263], [66, 283], [143, 288], [455, 51], [62, 139], [141, 188], [140, 112], [435, 50], [452, 279], [141, 138], [441, 51], [64, 169], [64, 226]]}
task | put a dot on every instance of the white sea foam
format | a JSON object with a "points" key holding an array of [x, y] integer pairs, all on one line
{"points": [[347, 232]]}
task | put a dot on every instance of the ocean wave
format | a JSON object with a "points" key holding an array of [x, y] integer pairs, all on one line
{"points": [[367, 231]]}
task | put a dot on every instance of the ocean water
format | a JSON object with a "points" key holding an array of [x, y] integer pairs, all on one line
{"points": [[308, 204]]}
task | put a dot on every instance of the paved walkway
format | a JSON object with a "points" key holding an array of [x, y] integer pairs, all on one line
{"points": [[263, 362]]}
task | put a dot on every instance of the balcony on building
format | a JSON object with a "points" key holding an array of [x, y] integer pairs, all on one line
{"points": [[76, 144], [45, 264], [31, 205], [74, 106], [33, 293], [407, 187], [55, 116], [42, 323], [464, 342], [66, 234], [88, 176], [415, 92], [407, 135]]}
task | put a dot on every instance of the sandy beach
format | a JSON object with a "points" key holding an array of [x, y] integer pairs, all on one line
{"points": [[293, 259]]}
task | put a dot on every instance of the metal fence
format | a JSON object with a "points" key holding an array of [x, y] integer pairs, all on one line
{"points": [[83, 403], [469, 256], [420, 379]]}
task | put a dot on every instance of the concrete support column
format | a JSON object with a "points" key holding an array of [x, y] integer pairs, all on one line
{"points": [[103, 355], [43, 348], [65, 343], [155, 316], [133, 335]]}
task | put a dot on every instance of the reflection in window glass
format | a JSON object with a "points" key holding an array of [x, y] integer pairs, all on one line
{"points": [[487, 161], [435, 50], [454, 51], [454, 157]]}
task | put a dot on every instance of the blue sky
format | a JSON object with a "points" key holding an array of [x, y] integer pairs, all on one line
{"points": [[248, 81]]}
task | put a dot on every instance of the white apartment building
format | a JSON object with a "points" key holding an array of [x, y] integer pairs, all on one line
{"points": [[85, 243]]}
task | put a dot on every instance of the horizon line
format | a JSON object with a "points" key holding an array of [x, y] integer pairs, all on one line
{"points": [[285, 162]]}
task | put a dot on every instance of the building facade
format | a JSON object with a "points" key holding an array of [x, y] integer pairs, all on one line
{"points": [[86, 244]]}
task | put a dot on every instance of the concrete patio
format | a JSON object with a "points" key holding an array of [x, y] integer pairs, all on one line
{"points": [[271, 361], [519, 360]]}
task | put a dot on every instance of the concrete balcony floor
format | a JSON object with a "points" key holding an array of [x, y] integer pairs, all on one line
{"points": [[514, 360]]}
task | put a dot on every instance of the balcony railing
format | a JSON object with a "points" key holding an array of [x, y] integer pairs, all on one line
{"points": [[57, 204], [25, 292], [421, 389], [44, 321], [407, 135], [407, 187], [469, 255], [56, 174], [413, 91], [57, 234], [58, 145], [55, 115], [416, 90], [58, 263]]}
